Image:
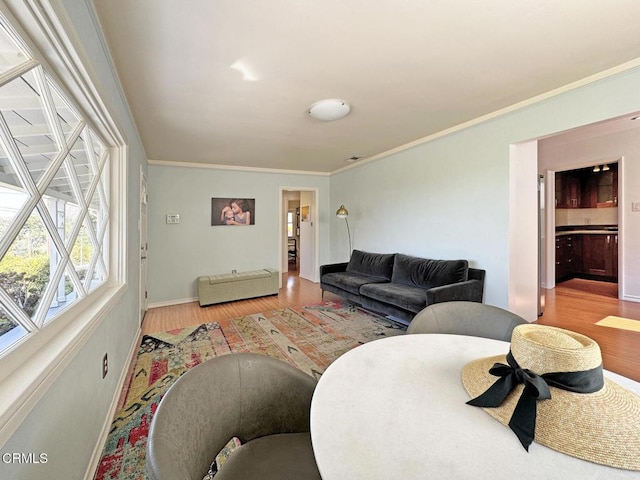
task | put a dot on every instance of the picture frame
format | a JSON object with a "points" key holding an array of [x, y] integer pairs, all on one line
{"points": [[305, 213], [232, 211]]}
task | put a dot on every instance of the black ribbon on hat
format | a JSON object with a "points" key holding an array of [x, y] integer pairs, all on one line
{"points": [[536, 387]]}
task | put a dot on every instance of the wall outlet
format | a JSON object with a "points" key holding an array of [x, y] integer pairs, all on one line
{"points": [[105, 365], [234, 271]]}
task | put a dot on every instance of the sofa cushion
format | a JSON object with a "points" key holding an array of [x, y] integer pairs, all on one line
{"points": [[406, 297], [426, 273], [350, 281], [375, 264]]}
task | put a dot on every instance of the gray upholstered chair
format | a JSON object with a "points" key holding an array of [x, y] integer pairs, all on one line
{"points": [[466, 318], [263, 401]]}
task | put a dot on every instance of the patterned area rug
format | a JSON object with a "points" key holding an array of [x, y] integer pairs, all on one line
{"points": [[309, 338]]}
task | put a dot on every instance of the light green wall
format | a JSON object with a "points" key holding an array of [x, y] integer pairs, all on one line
{"points": [[449, 198], [67, 423], [179, 253]]}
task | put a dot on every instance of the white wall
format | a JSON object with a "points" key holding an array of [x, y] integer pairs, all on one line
{"points": [[68, 422], [625, 145], [179, 253], [449, 197]]}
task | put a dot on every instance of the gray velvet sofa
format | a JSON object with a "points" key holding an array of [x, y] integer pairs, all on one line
{"points": [[401, 285]]}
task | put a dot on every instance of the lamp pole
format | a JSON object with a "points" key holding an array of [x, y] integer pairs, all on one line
{"points": [[342, 212]]}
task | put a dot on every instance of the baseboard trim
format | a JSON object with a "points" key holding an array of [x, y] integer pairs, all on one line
{"points": [[168, 303], [631, 298], [306, 277], [106, 426]]}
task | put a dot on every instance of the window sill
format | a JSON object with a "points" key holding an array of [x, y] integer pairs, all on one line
{"points": [[29, 371]]}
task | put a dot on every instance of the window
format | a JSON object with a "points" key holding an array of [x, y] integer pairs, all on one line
{"points": [[290, 224], [54, 204]]}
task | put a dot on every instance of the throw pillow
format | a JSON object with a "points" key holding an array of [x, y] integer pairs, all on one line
{"points": [[222, 457]]}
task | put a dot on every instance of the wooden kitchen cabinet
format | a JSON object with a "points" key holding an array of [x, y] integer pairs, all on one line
{"points": [[592, 256], [600, 255], [568, 256], [614, 256], [568, 190], [584, 188]]}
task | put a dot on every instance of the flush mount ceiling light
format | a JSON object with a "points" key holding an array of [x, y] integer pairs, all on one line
{"points": [[329, 110]]}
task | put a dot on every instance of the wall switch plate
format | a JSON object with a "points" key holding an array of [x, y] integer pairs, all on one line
{"points": [[173, 218], [635, 206]]}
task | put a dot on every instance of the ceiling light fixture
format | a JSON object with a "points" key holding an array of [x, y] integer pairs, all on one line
{"points": [[329, 110], [596, 169], [605, 168]]}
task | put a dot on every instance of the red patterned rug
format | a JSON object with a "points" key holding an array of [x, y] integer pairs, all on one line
{"points": [[309, 338]]}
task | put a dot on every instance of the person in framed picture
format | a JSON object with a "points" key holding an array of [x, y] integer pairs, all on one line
{"points": [[241, 215], [227, 216]]}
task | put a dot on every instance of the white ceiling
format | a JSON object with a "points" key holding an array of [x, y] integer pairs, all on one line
{"points": [[408, 68]]}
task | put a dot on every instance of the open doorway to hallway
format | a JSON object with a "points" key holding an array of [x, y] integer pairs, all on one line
{"points": [[299, 233]]}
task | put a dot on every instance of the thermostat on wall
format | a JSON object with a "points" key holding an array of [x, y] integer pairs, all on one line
{"points": [[173, 218]]}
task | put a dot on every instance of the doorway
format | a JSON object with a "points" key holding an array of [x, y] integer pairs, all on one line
{"points": [[298, 233], [587, 145], [584, 225]]}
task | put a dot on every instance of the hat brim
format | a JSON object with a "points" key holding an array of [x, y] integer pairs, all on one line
{"points": [[601, 427]]}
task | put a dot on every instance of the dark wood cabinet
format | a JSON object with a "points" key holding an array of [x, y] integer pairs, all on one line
{"points": [[568, 256], [588, 256], [569, 191], [597, 255], [584, 188]]}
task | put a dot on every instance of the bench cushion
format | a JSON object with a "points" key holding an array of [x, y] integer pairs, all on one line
{"points": [[228, 287], [236, 277]]}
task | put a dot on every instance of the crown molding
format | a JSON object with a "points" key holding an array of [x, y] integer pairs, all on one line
{"points": [[212, 166], [630, 65]]}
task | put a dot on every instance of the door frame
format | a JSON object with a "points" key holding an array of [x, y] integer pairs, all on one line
{"points": [[144, 246], [282, 237]]}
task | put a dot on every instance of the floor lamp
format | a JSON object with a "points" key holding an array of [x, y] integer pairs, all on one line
{"points": [[342, 212]]}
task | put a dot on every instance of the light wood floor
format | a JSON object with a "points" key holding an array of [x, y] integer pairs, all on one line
{"points": [[575, 305]]}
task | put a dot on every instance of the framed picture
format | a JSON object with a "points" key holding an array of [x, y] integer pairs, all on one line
{"points": [[304, 213], [233, 211]]}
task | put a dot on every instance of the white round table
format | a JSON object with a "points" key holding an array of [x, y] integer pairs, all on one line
{"points": [[395, 408]]}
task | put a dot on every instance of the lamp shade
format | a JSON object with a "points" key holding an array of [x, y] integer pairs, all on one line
{"points": [[342, 212], [329, 110]]}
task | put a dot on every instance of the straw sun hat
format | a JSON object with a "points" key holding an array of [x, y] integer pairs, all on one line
{"points": [[598, 421]]}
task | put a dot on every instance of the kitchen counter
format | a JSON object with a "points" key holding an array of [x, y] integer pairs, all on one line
{"points": [[587, 229], [588, 232]]}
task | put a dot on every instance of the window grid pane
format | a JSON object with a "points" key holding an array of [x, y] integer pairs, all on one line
{"points": [[54, 254]]}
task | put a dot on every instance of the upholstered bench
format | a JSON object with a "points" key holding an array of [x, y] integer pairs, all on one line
{"points": [[227, 287]]}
